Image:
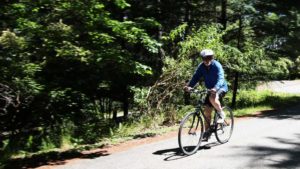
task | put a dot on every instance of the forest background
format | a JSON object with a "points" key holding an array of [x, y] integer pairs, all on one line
{"points": [[77, 72]]}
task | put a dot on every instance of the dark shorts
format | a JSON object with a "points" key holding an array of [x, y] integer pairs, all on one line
{"points": [[221, 93]]}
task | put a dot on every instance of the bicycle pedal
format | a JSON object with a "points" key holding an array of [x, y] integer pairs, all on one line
{"points": [[205, 140]]}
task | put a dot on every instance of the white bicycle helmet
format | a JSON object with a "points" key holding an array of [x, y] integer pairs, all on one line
{"points": [[206, 52]]}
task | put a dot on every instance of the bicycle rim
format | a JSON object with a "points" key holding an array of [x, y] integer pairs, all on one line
{"points": [[224, 131], [190, 133]]}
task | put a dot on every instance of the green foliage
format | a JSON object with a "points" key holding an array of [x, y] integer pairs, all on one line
{"points": [[59, 30], [47, 144], [297, 63], [122, 3], [140, 97], [57, 57], [28, 82], [206, 37], [182, 111], [142, 70], [283, 66], [167, 94], [131, 32], [251, 101], [252, 98], [178, 32], [10, 40], [69, 50]]}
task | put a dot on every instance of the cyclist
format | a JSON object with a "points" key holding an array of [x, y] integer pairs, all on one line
{"points": [[213, 74]]}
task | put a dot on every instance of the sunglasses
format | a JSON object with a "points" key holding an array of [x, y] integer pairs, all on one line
{"points": [[207, 58]]}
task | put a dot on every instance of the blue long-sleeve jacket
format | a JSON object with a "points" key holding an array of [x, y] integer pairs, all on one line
{"points": [[213, 76]]}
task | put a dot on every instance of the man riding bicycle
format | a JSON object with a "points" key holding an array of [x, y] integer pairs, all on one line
{"points": [[213, 74]]}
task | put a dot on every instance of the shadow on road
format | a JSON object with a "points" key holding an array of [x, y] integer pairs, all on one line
{"points": [[289, 112], [286, 153], [172, 154], [51, 158], [176, 153], [277, 157]]}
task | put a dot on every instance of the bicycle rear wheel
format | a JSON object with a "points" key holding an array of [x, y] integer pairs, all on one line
{"points": [[223, 131], [190, 133]]}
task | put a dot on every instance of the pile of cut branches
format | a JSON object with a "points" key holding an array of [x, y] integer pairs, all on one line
{"points": [[167, 92]]}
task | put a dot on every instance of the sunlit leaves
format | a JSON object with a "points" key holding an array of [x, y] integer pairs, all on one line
{"points": [[25, 24], [59, 29], [297, 65], [101, 38], [122, 3], [30, 69], [142, 70], [147, 22], [178, 32], [130, 31], [283, 66], [70, 50], [206, 37], [9, 40]]}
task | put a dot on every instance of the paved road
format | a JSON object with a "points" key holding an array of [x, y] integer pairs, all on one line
{"points": [[270, 140], [285, 86]]}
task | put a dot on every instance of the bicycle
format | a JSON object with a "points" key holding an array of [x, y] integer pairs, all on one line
{"points": [[191, 128]]}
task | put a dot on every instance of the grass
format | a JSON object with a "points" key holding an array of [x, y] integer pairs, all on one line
{"points": [[250, 110], [142, 129], [250, 102]]}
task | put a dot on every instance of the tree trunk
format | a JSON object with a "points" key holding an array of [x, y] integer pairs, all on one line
{"points": [[224, 14], [125, 106], [235, 88], [159, 14], [187, 15], [236, 76], [115, 113]]}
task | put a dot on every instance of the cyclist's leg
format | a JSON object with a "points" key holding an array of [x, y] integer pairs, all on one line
{"points": [[214, 100], [207, 112], [221, 94], [207, 120]]}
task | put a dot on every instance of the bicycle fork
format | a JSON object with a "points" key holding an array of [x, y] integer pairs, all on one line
{"points": [[192, 126]]}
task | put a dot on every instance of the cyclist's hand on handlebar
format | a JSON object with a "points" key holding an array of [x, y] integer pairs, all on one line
{"points": [[187, 88], [213, 91]]}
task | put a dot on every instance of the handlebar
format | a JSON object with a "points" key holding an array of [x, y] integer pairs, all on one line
{"points": [[205, 91]]}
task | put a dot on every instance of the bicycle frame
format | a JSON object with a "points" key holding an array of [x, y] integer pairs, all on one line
{"points": [[199, 108], [200, 112]]}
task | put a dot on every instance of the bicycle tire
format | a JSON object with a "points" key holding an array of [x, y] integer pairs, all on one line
{"points": [[224, 131], [191, 129]]}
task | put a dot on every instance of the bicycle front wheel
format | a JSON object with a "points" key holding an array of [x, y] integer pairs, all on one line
{"points": [[190, 133], [223, 131]]}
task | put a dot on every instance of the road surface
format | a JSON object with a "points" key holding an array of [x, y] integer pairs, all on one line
{"points": [[285, 86], [270, 140]]}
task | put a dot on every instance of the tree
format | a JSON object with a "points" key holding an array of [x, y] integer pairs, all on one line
{"points": [[68, 57]]}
